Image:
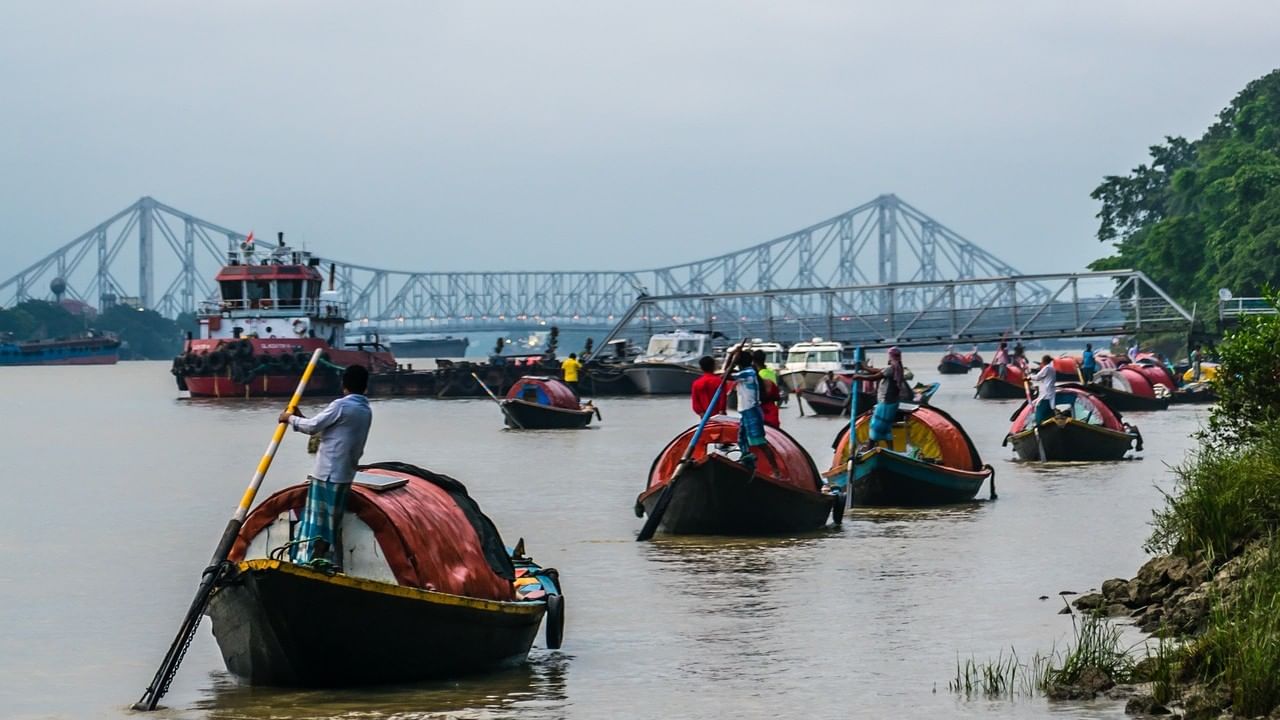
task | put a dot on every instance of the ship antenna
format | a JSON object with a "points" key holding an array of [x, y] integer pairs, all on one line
{"points": [[332, 269]]}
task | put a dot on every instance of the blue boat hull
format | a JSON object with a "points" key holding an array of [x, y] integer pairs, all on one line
{"points": [[886, 478]]}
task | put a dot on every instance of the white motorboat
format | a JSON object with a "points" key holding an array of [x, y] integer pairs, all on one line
{"points": [[809, 362], [669, 365]]}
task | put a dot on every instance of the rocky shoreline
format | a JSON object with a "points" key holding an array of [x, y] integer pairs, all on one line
{"points": [[1170, 598]]}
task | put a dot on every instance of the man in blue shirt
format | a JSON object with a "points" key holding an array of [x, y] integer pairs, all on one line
{"points": [[343, 427], [1088, 364]]}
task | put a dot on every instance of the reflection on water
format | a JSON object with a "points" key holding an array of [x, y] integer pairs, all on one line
{"points": [[534, 690]]}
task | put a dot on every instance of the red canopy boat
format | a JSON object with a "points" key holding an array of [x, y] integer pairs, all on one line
{"points": [[932, 461], [538, 402], [717, 495], [1083, 428], [427, 589], [1129, 387]]}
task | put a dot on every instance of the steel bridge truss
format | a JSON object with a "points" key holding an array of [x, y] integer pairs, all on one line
{"points": [[882, 242], [1120, 302]]}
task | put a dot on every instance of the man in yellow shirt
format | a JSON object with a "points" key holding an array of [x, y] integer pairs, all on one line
{"points": [[571, 367]]}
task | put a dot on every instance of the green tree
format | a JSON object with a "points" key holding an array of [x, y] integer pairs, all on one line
{"points": [[1204, 214]]}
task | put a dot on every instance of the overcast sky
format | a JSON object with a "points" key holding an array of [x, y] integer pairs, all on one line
{"points": [[544, 135]]}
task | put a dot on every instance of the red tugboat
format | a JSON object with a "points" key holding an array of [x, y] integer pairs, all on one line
{"points": [[273, 314]]}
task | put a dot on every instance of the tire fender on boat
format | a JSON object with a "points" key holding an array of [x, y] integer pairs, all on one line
{"points": [[217, 360], [555, 621], [837, 509]]}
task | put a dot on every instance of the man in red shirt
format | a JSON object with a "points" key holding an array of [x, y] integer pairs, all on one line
{"points": [[705, 387]]}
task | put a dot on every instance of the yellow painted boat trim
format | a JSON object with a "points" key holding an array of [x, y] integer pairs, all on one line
{"points": [[410, 593]]}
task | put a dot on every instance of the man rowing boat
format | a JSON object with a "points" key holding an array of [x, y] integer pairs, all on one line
{"points": [[343, 427]]}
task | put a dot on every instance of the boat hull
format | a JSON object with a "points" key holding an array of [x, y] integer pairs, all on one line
{"points": [[1127, 402], [284, 625], [1066, 439], [449, 347], [89, 351], [830, 406], [797, 380], [954, 367], [532, 416], [661, 378], [607, 380], [996, 389], [884, 478], [717, 496]]}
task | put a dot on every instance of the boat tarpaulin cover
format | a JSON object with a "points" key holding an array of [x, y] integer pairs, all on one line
{"points": [[431, 532], [796, 467]]}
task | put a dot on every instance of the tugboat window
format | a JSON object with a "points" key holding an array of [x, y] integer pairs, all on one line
{"points": [[290, 293], [232, 290]]}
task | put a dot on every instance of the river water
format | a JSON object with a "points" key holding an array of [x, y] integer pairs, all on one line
{"points": [[117, 489]]}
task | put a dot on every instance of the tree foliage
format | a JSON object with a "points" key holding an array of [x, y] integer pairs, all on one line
{"points": [[1204, 214], [1248, 381]]}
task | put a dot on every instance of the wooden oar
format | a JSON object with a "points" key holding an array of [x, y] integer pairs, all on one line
{"points": [[652, 522], [505, 411], [186, 632], [1035, 426]]}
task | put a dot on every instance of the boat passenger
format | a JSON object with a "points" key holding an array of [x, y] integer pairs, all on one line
{"points": [[704, 388], [1047, 376], [751, 420], [1020, 356], [571, 368], [343, 427], [1088, 363], [766, 372], [1195, 363], [1001, 361], [1133, 351], [769, 393], [830, 385]]}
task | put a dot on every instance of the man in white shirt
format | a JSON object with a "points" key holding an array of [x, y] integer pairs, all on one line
{"points": [[1046, 379], [343, 427]]}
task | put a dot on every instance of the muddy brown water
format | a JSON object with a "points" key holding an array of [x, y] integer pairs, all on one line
{"points": [[116, 490]]}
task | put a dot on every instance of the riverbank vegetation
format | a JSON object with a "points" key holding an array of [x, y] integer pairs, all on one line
{"points": [[1203, 214]]}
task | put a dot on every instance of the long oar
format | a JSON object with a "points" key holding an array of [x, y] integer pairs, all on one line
{"points": [[1035, 426], [664, 498], [187, 631], [505, 411], [853, 448]]}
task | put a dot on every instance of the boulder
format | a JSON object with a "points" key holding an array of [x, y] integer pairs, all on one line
{"points": [[1116, 589], [1117, 610], [1090, 601], [1144, 705], [1161, 568]]}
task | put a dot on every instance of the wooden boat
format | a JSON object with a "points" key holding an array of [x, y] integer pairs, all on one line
{"points": [[427, 590], [838, 403], [992, 387], [1127, 388], [1083, 428], [545, 403], [932, 462], [717, 495], [1197, 392], [955, 363]]}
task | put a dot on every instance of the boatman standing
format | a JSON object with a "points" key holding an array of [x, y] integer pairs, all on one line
{"points": [[751, 417], [1047, 377], [1089, 364], [343, 427], [571, 368]]}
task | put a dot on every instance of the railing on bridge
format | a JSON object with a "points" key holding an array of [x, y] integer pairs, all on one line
{"points": [[922, 313], [1238, 307]]}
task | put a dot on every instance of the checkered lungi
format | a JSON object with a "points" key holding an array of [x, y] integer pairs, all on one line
{"points": [[321, 520]]}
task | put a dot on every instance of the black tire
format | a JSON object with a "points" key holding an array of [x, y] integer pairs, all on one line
{"points": [[301, 360], [197, 364], [217, 361], [555, 621], [837, 509], [287, 361], [178, 366], [244, 349]]}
